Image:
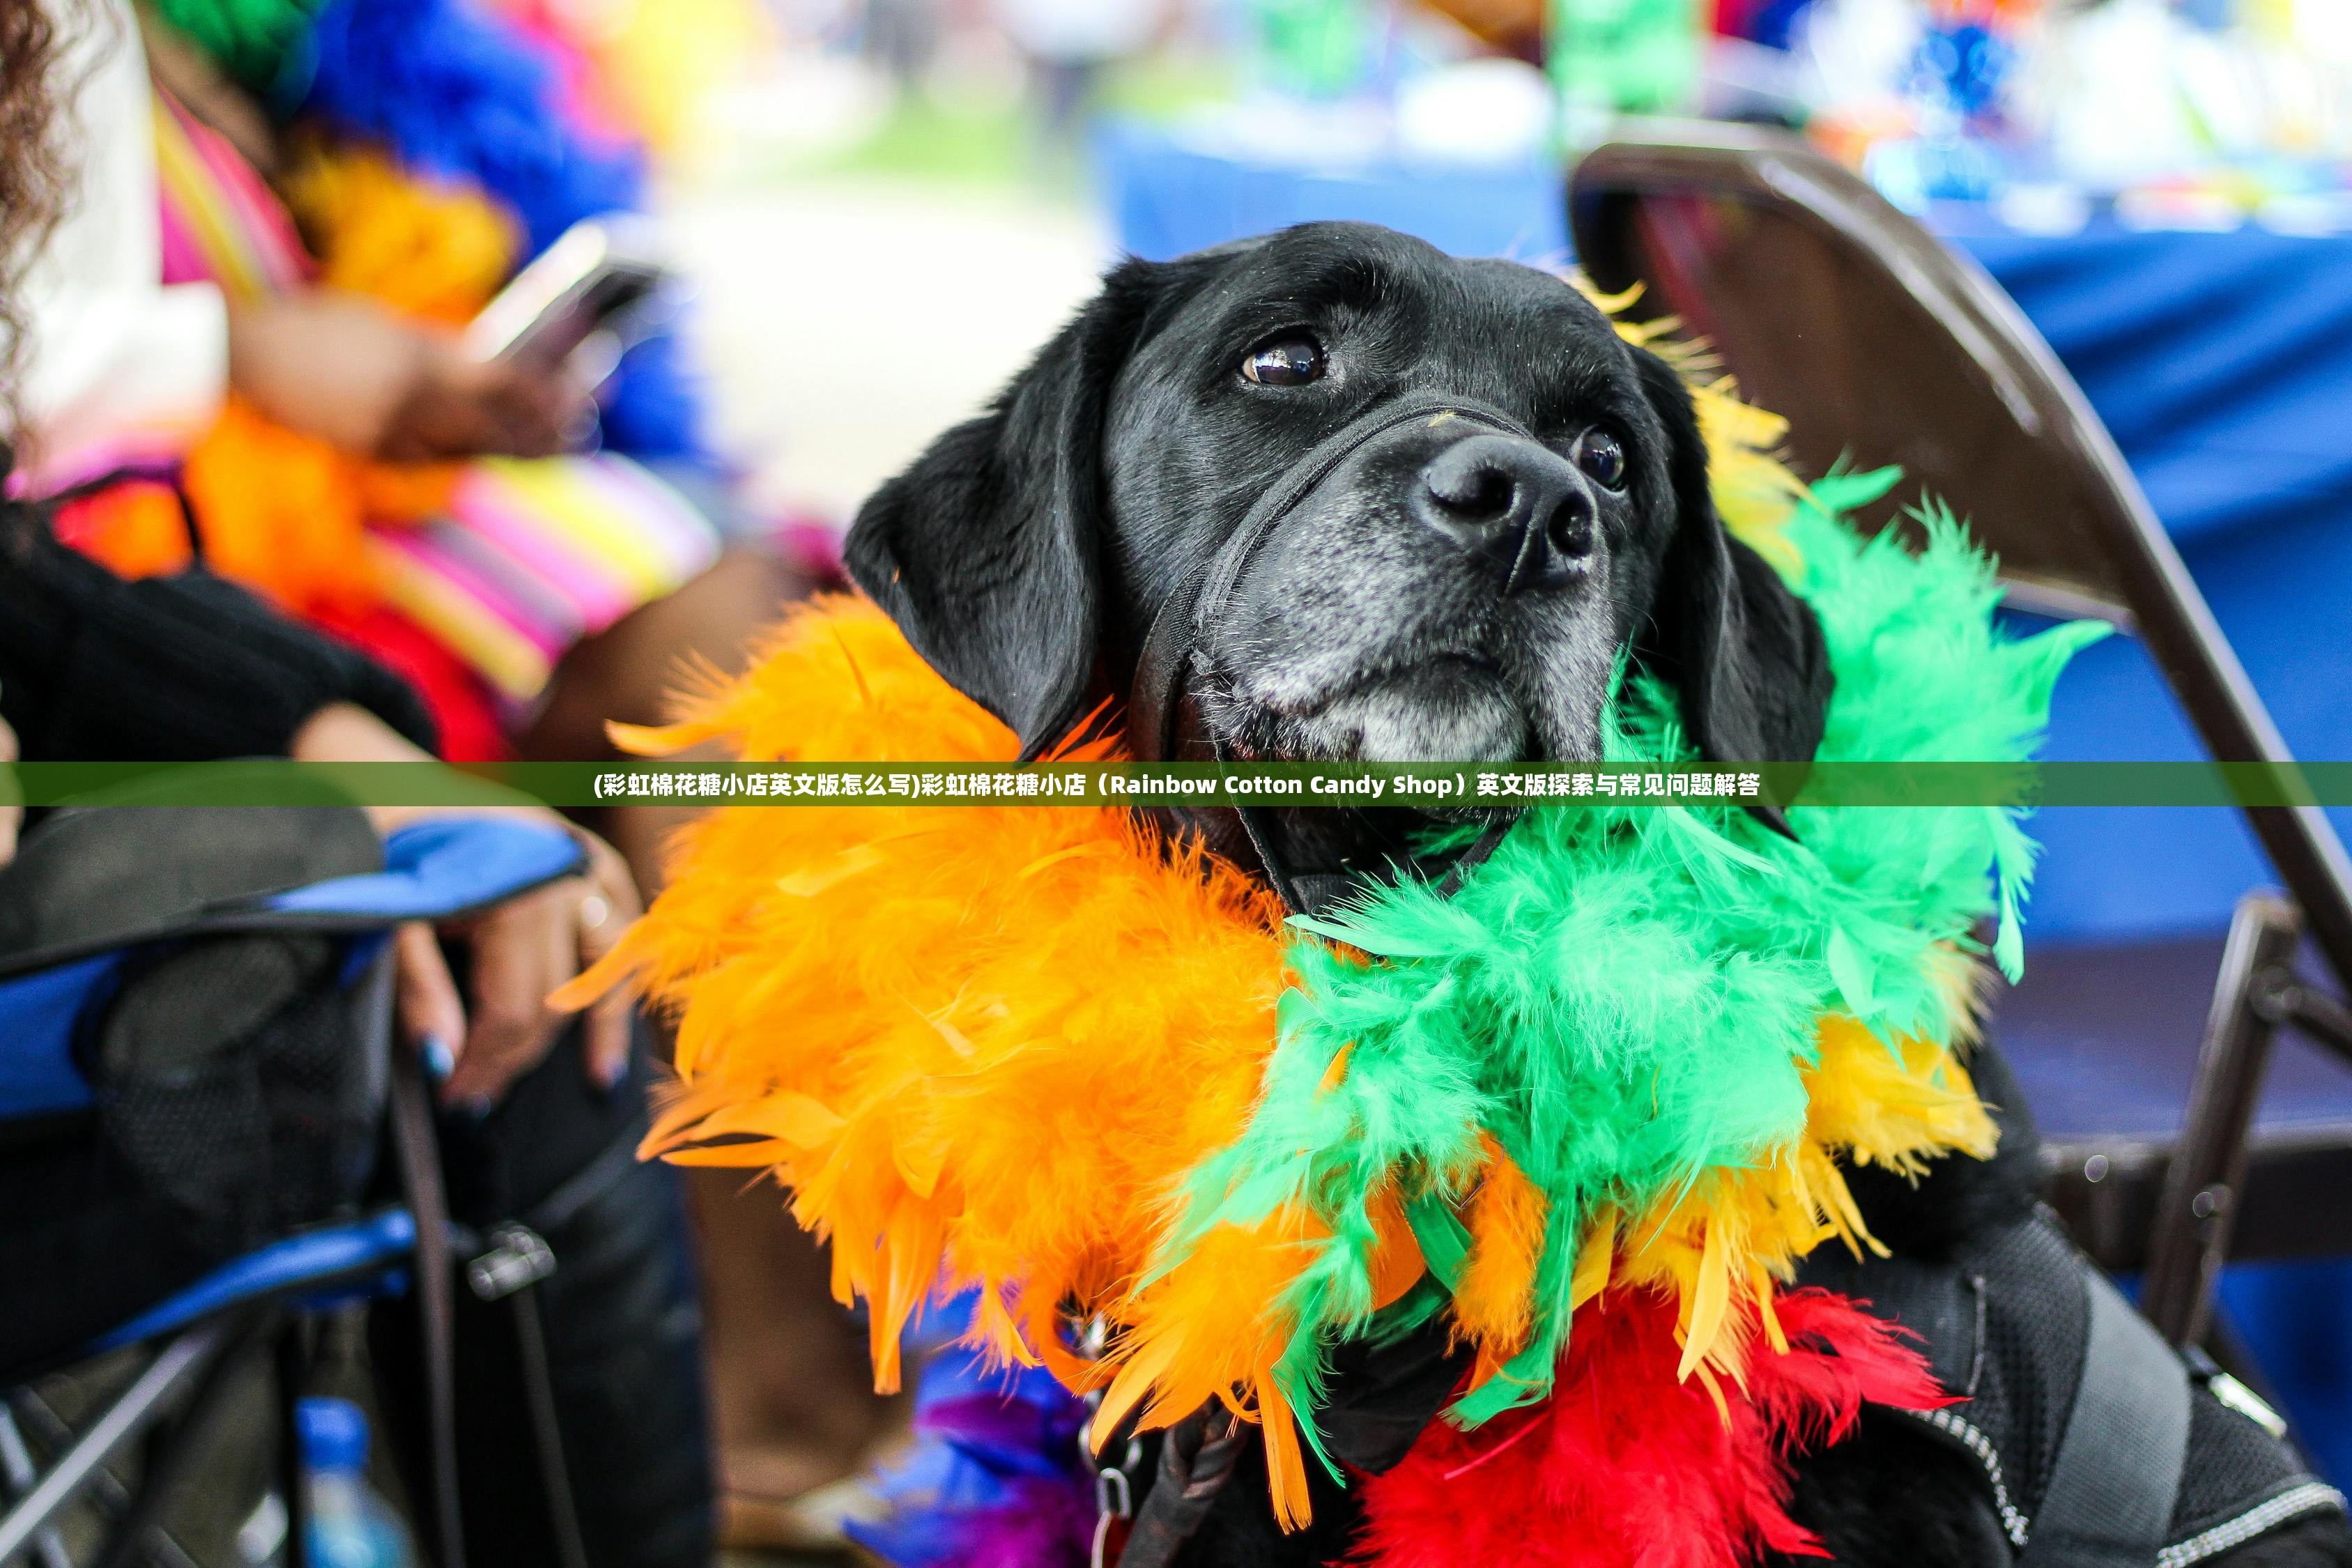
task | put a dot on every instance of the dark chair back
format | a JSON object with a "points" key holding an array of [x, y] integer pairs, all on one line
{"points": [[1880, 345]]}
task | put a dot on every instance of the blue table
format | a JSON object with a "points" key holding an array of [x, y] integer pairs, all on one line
{"points": [[2223, 362]]}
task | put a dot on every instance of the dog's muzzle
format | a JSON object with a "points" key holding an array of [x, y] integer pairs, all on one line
{"points": [[1164, 721], [1163, 717]]}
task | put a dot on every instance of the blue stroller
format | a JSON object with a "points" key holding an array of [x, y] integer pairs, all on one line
{"points": [[216, 1077]]}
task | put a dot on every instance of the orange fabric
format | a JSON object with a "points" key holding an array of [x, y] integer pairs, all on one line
{"points": [[133, 529], [285, 512]]}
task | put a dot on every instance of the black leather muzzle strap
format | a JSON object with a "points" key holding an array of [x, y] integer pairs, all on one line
{"points": [[1180, 633]]}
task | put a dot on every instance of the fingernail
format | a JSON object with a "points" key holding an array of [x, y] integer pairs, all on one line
{"points": [[478, 1107], [440, 1061]]}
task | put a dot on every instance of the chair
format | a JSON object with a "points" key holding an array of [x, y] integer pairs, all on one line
{"points": [[1881, 345], [439, 869]]}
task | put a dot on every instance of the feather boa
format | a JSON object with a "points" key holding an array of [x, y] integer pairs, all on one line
{"points": [[1623, 1467], [1629, 1468], [250, 39], [462, 94], [995, 1478], [430, 250], [1028, 1052], [1540, 1124], [465, 97]]}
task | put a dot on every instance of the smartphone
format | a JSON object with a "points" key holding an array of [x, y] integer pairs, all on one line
{"points": [[603, 278]]}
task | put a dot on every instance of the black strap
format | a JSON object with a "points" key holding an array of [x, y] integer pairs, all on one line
{"points": [[1166, 657], [1176, 637], [547, 1428], [1470, 859], [2110, 1498], [419, 1159], [1193, 1469]]}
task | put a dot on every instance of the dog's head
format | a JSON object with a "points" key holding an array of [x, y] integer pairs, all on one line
{"points": [[1458, 586]]}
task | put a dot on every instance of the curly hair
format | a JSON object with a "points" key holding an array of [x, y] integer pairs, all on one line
{"points": [[34, 36]]}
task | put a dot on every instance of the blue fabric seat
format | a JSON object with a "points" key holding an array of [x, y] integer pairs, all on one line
{"points": [[438, 869]]}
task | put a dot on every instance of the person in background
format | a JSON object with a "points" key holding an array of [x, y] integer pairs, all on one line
{"points": [[338, 450], [902, 37], [1066, 44], [187, 666]]}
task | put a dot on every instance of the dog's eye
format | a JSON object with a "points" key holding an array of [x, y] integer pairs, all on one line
{"points": [[1287, 362], [1599, 455]]}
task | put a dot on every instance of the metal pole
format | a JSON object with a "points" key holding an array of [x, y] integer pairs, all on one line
{"points": [[16, 1459], [2197, 1209], [179, 1363]]}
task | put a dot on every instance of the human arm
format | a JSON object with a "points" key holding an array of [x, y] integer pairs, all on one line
{"points": [[192, 668], [181, 668], [117, 364], [522, 951], [348, 371]]}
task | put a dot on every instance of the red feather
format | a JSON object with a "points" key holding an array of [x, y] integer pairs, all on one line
{"points": [[1626, 1468]]}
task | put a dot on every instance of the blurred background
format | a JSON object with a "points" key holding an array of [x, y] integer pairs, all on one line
{"points": [[888, 202]]}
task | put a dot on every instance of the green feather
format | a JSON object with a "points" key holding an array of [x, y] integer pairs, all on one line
{"points": [[249, 40], [1624, 996]]}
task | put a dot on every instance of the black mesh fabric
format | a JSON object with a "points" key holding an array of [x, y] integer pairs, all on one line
{"points": [[2037, 1323], [236, 1078], [2017, 1354], [236, 1081], [2233, 1465]]}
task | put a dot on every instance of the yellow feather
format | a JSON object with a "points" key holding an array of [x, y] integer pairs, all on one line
{"points": [[1707, 1303]]}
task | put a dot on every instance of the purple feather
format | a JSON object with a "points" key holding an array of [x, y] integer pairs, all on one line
{"points": [[997, 1479]]}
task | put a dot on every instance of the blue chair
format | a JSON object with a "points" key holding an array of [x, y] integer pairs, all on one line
{"points": [[439, 869]]}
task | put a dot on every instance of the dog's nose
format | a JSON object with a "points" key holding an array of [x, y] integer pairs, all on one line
{"points": [[1519, 506]]}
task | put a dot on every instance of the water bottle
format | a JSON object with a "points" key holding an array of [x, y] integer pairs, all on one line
{"points": [[350, 1526]]}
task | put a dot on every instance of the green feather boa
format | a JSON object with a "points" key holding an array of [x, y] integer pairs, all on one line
{"points": [[249, 40], [1625, 997]]}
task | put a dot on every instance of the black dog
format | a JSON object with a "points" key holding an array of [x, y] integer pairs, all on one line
{"points": [[1333, 494]]}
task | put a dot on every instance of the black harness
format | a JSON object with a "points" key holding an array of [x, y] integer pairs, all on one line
{"points": [[2101, 1446]]}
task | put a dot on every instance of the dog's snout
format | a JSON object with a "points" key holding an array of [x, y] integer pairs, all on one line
{"points": [[1517, 505]]}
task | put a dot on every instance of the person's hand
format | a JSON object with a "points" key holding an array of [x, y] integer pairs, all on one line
{"points": [[355, 374], [522, 951], [11, 814], [463, 408]]}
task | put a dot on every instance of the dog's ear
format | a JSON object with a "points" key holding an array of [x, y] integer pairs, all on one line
{"points": [[1746, 654], [987, 551]]}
